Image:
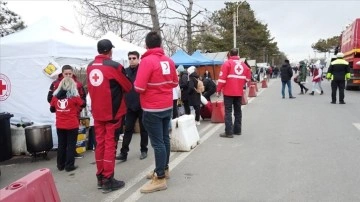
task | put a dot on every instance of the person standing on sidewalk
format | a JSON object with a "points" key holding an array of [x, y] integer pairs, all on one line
{"points": [[338, 72], [233, 76], [155, 81], [301, 79], [66, 103], [286, 73], [134, 112], [107, 85]]}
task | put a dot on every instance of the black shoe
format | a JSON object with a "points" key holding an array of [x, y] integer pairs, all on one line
{"points": [[226, 135], [301, 93], [60, 168], [322, 92], [121, 157], [333, 102], [99, 181], [292, 97], [111, 184], [238, 133], [312, 93], [342, 102], [143, 155], [71, 168]]}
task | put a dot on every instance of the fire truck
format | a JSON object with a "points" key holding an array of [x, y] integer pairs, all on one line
{"points": [[350, 46]]}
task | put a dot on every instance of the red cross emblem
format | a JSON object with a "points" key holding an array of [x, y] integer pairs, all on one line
{"points": [[5, 87], [96, 77], [239, 69]]}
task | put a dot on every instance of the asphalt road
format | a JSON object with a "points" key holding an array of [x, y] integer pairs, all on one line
{"points": [[303, 149]]}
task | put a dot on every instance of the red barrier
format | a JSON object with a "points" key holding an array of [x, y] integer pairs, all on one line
{"points": [[264, 84], [38, 186], [252, 91], [244, 99], [218, 112]]}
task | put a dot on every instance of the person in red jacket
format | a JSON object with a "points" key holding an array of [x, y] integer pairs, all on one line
{"points": [[233, 76], [155, 80], [107, 85], [66, 103], [67, 71]]}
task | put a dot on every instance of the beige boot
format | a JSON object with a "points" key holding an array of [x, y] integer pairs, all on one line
{"points": [[151, 174], [154, 185]]}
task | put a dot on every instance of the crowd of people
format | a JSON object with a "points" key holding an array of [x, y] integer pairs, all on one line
{"points": [[148, 92]]}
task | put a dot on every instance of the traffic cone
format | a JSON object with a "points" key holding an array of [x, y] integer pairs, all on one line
{"points": [[256, 86], [244, 99], [264, 84], [252, 91]]}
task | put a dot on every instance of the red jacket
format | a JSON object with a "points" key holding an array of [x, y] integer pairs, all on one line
{"points": [[233, 76], [67, 111], [107, 85], [155, 80], [56, 83]]}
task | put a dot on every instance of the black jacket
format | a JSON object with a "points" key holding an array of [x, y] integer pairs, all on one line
{"points": [[194, 97], [286, 72], [184, 86], [209, 85], [132, 98], [338, 69]]}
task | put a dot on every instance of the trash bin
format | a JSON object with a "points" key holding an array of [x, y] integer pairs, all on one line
{"points": [[5, 137]]}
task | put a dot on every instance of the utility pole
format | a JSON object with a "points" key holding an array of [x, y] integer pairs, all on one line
{"points": [[234, 28], [236, 20]]}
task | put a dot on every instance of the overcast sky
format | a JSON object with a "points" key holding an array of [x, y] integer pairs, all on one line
{"points": [[294, 24]]}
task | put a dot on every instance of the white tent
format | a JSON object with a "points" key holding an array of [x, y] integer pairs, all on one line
{"points": [[24, 55], [122, 48]]}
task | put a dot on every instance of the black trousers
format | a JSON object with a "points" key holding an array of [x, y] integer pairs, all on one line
{"points": [[91, 139], [66, 148], [175, 110], [302, 87], [334, 86], [186, 107], [131, 117], [230, 102], [197, 112]]}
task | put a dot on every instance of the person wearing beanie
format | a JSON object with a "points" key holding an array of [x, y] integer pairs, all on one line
{"points": [[184, 87], [194, 96]]}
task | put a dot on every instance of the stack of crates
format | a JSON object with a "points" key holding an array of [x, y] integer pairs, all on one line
{"points": [[81, 140]]}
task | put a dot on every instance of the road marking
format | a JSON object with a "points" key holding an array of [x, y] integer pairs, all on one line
{"points": [[137, 195], [117, 194], [357, 125]]}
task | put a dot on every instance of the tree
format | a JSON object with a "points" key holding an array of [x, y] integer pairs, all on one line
{"points": [[326, 45], [253, 37], [10, 22]]}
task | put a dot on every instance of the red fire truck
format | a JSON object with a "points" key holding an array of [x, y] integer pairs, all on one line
{"points": [[350, 46]]}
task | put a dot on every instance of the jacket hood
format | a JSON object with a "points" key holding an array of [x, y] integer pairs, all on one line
{"points": [[234, 58], [61, 94], [153, 51], [191, 69], [180, 68]]}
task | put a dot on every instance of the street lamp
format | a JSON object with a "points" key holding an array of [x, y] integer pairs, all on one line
{"points": [[236, 20]]}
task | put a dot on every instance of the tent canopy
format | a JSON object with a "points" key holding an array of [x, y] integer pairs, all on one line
{"points": [[181, 58], [205, 60]]}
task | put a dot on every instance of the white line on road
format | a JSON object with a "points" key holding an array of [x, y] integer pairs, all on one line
{"points": [[137, 195], [357, 125], [117, 194]]}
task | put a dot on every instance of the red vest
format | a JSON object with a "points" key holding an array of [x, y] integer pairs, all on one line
{"points": [[315, 73]]}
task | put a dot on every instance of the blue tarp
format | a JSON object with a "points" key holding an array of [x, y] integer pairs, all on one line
{"points": [[181, 58], [205, 60]]}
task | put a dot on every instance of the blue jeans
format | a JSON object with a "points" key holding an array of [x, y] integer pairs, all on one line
{"points": [[288, 83], [157, 126]]}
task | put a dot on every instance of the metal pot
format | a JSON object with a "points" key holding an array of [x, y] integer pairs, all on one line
{"points": [[38, 138]]}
